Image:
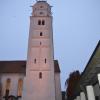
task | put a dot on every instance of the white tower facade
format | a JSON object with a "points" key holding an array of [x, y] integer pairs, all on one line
{"points": [[39, 83]]}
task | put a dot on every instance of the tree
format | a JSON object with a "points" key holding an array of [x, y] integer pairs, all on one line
{"points": [[71, 83]]}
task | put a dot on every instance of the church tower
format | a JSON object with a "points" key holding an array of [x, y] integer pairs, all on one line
{"points": [[39, 83]]}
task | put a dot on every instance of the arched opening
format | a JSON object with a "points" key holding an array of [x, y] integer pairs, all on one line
{"points": [[43, 22], [39, 22], [41, 34]]}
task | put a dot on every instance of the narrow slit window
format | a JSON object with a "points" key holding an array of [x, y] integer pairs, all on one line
{"points": [[41, 34], [43, 22], [40, 75], [45, 60], [40, 43], [35, 60], [39, 22]]}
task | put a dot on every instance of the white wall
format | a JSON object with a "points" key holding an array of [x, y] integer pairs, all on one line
{"points": [[14, 83], [58, 86]]}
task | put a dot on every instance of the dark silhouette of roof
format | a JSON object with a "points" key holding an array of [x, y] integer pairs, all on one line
{"points": [[12, 66], [94, 52], [56, 66], [20, 66]]}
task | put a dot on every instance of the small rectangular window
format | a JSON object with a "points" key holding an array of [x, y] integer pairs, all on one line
{"points": [[35, 61], [41, 34], [45, 60], [40, 43]]}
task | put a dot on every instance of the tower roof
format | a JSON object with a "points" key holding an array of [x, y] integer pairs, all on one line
{"points": [[41, 8], [43, 2]]}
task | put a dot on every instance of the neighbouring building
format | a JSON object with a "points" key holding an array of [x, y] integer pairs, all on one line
{"points": [[37, 78], [88, 87]]}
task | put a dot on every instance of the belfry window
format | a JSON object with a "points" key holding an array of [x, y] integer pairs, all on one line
{"points": [[41, 34], [39, 22], [35, 60], [40, 75], [43, 22]]}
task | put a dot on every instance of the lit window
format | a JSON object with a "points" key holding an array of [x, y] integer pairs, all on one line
{"points": [[8, 82], [43, 22], [41, 34], [20, 85], [40, 75]]}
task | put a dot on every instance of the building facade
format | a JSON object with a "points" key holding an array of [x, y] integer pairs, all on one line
{"points": [[38, 78]]}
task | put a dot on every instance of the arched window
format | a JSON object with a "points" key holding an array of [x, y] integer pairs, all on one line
{"points": [[20, 86], [39, 22], [35, 60], [40, 75], [41, 34], [43, 22], [8, 83], [41, 6]]}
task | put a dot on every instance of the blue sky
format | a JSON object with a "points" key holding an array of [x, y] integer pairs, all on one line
{"points": [[76, 29]]}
